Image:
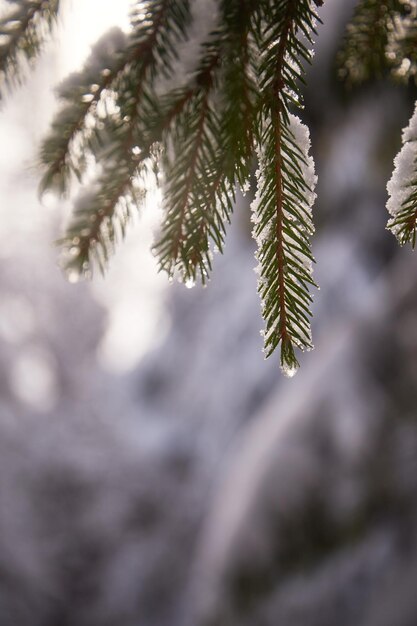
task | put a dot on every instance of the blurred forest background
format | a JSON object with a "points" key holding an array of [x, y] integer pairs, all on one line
{"points": [[154, 469]]}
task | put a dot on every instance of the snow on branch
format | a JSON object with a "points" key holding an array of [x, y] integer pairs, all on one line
{"points": [[286, 181], [191, 96], [402, 188]]}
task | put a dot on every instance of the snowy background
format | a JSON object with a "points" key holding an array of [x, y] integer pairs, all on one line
{"points": [[154, 469]]}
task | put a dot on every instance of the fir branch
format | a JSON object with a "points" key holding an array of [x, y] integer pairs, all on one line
{"points": [[157, 27], [116, 66], [239, 89], [63, 153], [210, 146], [189, 170], [282, 206], [128, 145], [120, 114], [402, 45], [23, 33], [383, 36], [367, 53], [402, 188], [101, 215]]}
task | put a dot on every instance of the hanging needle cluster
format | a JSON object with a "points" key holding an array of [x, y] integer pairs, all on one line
{"points": [[193, 97]]}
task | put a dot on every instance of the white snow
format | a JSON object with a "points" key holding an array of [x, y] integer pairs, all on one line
{"points": [[302, 138], [400, 185]]}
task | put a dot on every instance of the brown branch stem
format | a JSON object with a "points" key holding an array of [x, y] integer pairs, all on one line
{"points": [[277, 86]]}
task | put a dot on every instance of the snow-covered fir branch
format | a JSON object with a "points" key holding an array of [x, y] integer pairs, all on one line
{"points": [[286, 181], [402, 188], [197, 107], [85, 97], [191, 97], [106, 114], [208, 146]]}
